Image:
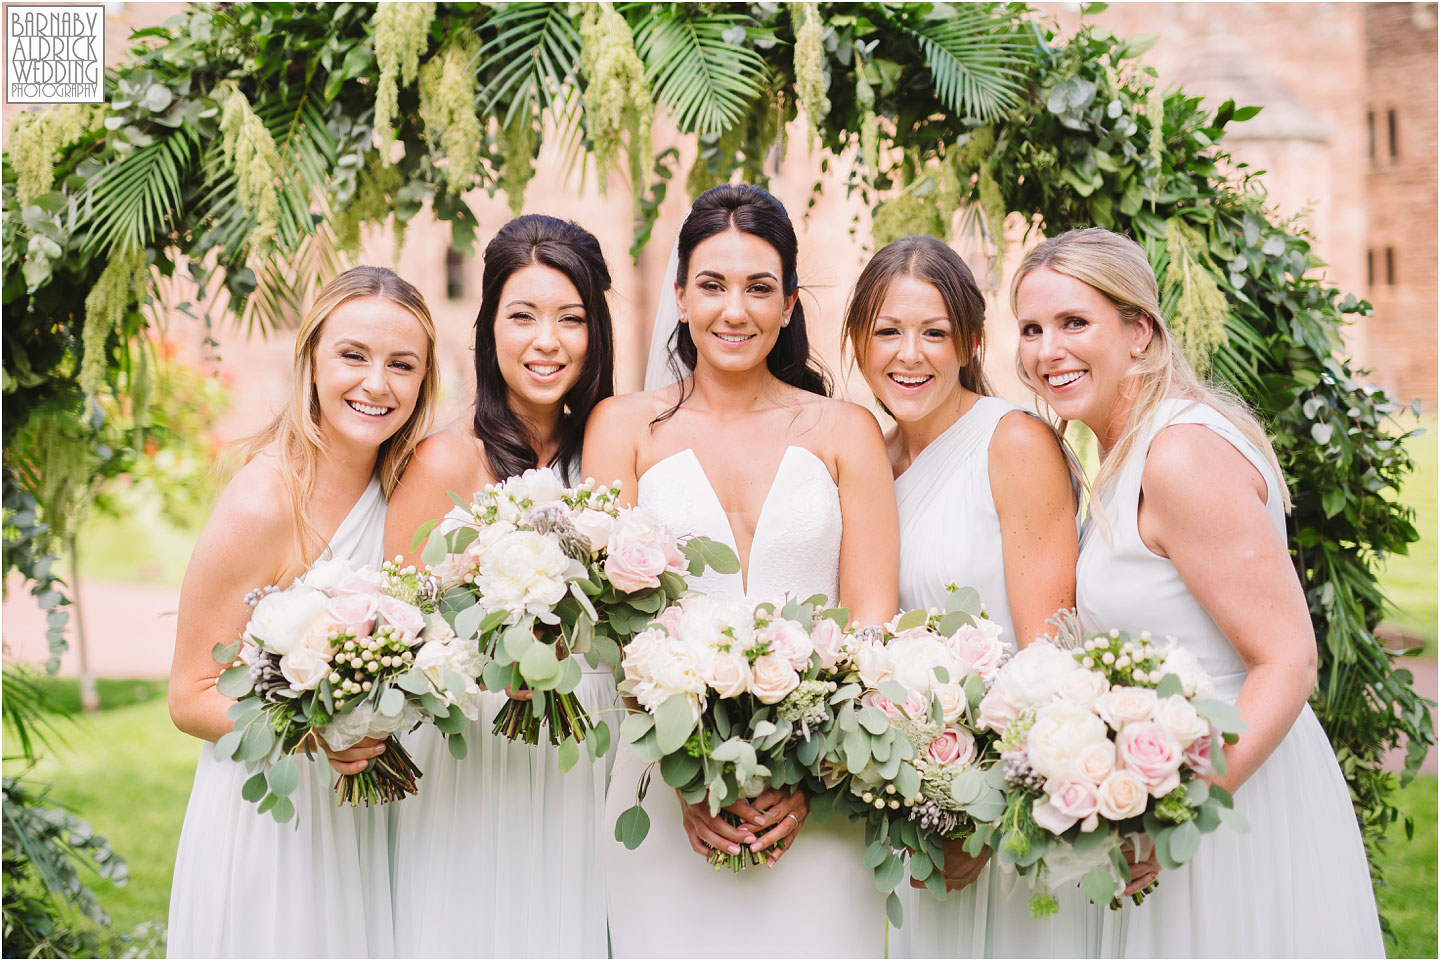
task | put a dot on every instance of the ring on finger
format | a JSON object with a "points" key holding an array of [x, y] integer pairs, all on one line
{"points": [[791, 816]]}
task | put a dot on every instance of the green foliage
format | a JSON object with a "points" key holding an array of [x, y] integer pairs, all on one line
{"points": [[617, 96], [402, 32]]}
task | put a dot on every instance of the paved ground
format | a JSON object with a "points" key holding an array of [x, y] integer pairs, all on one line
{"points": [[131, 633]]}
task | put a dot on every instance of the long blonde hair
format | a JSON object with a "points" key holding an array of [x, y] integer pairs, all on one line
{"points": [[1117, 267], [295, 434]]}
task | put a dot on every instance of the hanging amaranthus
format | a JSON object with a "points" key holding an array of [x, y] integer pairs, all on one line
{"points": [[974, 157], [447, 105], [121, 284], [402, 32], [1155, 111], [35, 137], [517, 146], [250, 152], [617, 97], [810, 81], [375, 189], [1198, 320]]}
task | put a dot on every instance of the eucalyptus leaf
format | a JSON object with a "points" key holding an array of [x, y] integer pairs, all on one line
{"points": [[283, 776], [567, 754], [674, 720]]}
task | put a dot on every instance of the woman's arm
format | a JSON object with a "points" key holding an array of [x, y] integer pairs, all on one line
{"points": [[870, 543], [1203, 506], [1030, 484], [610, 448], [446, 462]]}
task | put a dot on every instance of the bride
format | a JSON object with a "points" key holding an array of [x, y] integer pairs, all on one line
{"points": [[748, 448]]}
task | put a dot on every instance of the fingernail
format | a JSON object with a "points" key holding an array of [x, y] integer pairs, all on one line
{"points": [[734, 849], [749, 839]]}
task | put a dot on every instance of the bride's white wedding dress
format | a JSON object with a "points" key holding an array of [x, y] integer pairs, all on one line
{"points": [[663, 899], [248, 887]]}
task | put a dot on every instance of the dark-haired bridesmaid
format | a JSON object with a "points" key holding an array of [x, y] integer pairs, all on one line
{"points": [[498, 854]]}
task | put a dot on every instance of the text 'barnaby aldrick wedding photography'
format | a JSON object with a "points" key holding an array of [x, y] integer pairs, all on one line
{"points": [[54, 53]]}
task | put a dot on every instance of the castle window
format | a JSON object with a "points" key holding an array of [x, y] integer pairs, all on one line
{"points": [[454, 274], [1390, 266], [1394, 134], [1370, 125]]}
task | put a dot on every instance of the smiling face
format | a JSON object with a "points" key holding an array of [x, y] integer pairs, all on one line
{"points": [[369, 368], [911, 362], [540, 338], [1077, 350], [733, 301]]}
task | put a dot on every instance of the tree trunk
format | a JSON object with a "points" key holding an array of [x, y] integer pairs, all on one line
{"points": [[89, 694]]}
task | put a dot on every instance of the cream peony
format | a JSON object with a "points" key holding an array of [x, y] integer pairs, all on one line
{"points": [[914, 654], [525, 571], [1033, 676], [1193, 678], [1082, 687], [1060, 733], [280, 620], [539, 485]]}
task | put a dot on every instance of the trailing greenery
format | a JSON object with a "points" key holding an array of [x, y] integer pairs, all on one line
{"points": [[250, 137]]}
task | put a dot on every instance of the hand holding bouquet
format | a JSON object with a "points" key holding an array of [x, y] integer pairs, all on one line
{"points": [[1103, 743], [343, 654], [730, 691], [543, 574]]}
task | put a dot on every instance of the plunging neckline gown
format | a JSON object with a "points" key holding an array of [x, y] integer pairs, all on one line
{"points": [[248, 887], [664, 900]]}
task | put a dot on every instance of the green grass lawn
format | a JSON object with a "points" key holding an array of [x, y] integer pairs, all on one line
{"points": [[1409, 579], [128, 771]]}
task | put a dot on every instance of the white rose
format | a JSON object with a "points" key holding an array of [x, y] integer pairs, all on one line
{"points": [[1126, 705], [280, 620], [773, 678], [1122, 795], [1176, 715], [1060, 733], [597, 526], [1032, 676], [1082, 687], [873, 663], [1193, 678], [1095, 761], [729, 675], [538, 485], [525, 571], [952, 701], [305, 668]]}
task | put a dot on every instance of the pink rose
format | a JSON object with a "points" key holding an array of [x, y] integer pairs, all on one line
{"points": [[772, 678], [953, 746], [353, 612], [981, 650], [1073, 799], [669, 619], [675, 558], [997, 710], [877, 700], [406, 618], [1197, 755], [632, 564], [916, 705], [361, 582], [829, 642], [1152, 752], [788, 640]]}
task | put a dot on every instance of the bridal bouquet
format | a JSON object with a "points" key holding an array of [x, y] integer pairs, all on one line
{"points": [[1102, 743], [907, 754], [343, 654], [542, 575], [732, 693]]}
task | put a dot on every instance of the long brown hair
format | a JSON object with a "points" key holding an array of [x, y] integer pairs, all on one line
{"points": [[295, 434]]}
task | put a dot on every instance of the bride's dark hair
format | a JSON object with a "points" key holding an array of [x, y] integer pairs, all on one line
{"points": [[750, 210], [574, 251]]}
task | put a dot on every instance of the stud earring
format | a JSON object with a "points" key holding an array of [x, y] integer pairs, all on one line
{"points": [[785, 322]]}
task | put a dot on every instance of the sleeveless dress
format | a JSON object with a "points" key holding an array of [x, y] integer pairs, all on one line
{"points": [[950, 533], [498, 855], [664, 899], [247, 887], [1297, 883]]}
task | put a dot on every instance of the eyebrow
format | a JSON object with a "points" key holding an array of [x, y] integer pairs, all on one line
{"points": [[927, 320], [348, 342], [534, 306], [764, 274]]}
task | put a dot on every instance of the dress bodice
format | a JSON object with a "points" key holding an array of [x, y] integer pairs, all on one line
{"points": [[361, 535], [796, 548], [1121, 583], [949, 529]]}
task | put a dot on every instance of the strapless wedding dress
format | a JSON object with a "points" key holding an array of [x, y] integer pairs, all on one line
{"points": [[248, 887], [663, 899]]}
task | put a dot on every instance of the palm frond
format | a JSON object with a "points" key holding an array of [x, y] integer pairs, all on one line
{"points": [[708, 82], [138, 196], [537, 46], [976, 60], [27, 712]]}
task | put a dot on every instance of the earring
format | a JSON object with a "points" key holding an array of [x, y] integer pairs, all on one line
{"points": [[1135, 351], [684, 318], [785, 322]]}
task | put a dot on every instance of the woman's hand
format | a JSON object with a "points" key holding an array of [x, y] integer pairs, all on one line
{"points": [[1140, 857], [356, 758], [783, 812], [960, 869], [710, 833]]}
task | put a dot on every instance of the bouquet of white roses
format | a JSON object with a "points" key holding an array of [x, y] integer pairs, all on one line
{"points": [[543, 574], [1103, 743], [343, 654], [906, 754], [731, 692]]}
